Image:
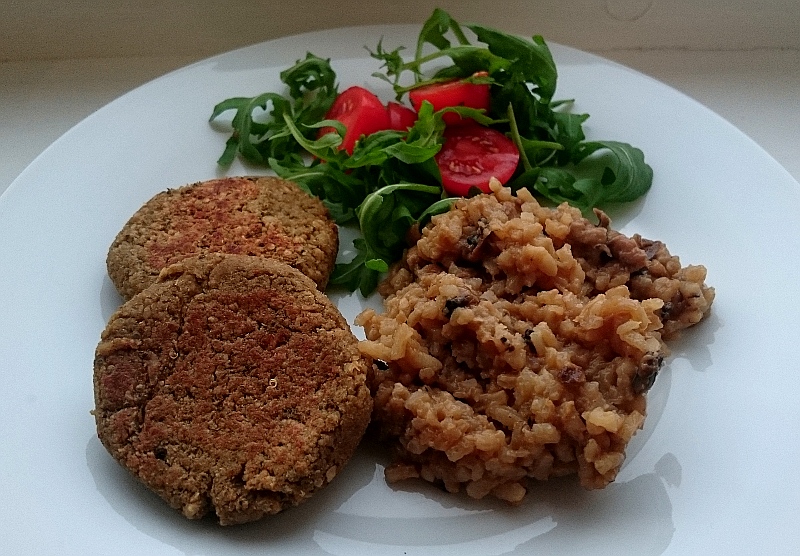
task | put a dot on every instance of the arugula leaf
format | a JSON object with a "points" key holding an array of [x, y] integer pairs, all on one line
{"points": [[259, 128], [384, 218], [439, 207], [617, 174], [386, 214], [434, 30], [625, 176], [569, 130], [356, 275], [531, 59], [311, 74]]}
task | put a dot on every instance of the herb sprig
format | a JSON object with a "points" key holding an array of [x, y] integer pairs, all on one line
{"points": [[391, 180]]}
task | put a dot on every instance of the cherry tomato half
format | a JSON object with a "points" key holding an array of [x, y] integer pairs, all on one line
{"points": [[400, 117], [361, 112], [452, 93], [471, 155]]}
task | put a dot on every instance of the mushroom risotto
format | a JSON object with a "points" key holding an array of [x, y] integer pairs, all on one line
{"points": [[518, 341]]}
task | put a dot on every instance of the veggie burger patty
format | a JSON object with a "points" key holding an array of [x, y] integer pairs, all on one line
{"points": [[231, 385], [260, 216]]}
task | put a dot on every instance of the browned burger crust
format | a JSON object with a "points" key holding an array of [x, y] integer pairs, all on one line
{"points": [[232, 385], [264, 216]]}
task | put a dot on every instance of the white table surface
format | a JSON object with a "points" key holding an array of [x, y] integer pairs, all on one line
{"points": [[757, 90]]}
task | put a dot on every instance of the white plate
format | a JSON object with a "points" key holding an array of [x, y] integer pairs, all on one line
{"points": [[714, 470]]}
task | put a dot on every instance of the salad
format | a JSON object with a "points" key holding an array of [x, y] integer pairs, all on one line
{"points": [[471, 103]]}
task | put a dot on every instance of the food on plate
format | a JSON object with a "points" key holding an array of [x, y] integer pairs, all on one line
{"points": [[263, 216], [231, 386], [453, 92], [518, 342], [360, 112], [363, 150], [472, 156], [401, 118]]}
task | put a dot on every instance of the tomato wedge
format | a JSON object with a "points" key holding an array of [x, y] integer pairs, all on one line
{"points": [[471, 155], [400, 117], [361, 112], [452, 93]]}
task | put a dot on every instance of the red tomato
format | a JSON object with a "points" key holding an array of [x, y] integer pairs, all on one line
{"points": [[400, 117], [361, 112], [452, 93], [471, 155]]}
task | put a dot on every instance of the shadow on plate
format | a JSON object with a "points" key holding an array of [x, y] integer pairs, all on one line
{"points": [[557, 516], [359, 513], [110, 299], [292, 529], [694, 345]]}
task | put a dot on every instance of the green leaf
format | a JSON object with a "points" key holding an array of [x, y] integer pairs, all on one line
{"points": [[623, 173], [434, 30], [378, 265], [258, 126], [556, 185], [532, 59], [228, 104], [356, 275], [229, 154], [386, 214], [616, 174], [569, 129], [439, 207], [384, 218], [311, 74], [392, 60], [472, 59], [338, 190]]}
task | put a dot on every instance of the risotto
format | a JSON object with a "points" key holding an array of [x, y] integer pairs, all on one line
{"points": [[518, 342]]}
